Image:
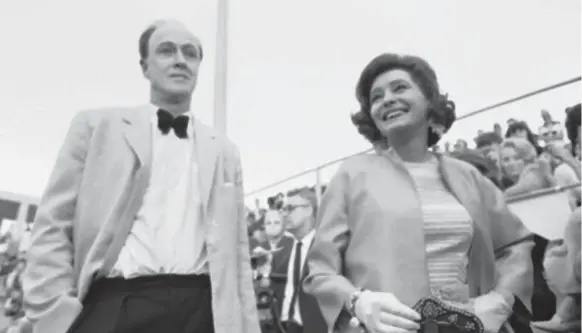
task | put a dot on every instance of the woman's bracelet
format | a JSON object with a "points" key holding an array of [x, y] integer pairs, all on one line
{"points": [[355, 321]]}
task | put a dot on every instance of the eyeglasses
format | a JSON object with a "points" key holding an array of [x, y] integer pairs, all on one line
{"points": [[291, 208]]}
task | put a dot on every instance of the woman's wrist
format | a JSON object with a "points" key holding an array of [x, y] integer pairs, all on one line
{"points": [[351, 308], [354, 298]]}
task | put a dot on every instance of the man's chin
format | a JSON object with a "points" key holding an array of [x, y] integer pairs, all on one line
{"points": [[179, 91]]}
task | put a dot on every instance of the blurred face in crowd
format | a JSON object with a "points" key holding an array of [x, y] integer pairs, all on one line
{"points": [[296, 213], [250, 219], [511, 164], [273, 224], [397, 103], [173, 60], [492, 153], [259, 235], [520, 133], [460, 145]]}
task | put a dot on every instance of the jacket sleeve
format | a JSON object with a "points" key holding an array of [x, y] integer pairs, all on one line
{"points": [[245, 283], [562, 261], [325, 259], [48, 280], [512, 243]]}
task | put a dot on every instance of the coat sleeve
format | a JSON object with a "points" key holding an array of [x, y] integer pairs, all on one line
{"points": [[245, 283], [512, 243], [562, 261], [48, 280], [326, 255]]}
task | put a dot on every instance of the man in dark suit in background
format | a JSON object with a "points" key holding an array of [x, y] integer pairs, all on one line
{"points": [[300, 312]]}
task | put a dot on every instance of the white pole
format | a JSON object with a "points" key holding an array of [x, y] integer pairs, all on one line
{"points": [[318, 185], [220, 82]]}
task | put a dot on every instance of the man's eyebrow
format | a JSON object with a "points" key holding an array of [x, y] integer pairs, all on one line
{"points": [[188, 44]]}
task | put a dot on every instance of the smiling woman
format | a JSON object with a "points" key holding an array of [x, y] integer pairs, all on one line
{"points": [[407, 226]]}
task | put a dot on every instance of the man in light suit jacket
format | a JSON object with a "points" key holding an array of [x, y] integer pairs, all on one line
{"points": [[141, 227]]}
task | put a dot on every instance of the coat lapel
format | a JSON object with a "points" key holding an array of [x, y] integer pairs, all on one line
{"points": [[207, 152], [465, 194], [138, 134]]}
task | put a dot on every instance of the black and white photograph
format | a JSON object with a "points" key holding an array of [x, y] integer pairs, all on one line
{"points": [[256, 166]]}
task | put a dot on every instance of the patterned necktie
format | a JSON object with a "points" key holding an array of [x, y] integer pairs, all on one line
{"points": [[180, 124]]}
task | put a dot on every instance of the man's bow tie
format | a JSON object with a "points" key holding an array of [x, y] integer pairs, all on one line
{"points": [[180, 124]]}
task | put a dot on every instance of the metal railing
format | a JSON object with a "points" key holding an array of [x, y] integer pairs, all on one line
{"points": [[317, 170]]}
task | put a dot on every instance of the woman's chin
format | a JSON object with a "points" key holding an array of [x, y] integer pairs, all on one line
{"points": [[391, 127]]}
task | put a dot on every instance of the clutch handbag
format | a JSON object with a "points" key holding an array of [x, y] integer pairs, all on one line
{"points": [[439, 317]]}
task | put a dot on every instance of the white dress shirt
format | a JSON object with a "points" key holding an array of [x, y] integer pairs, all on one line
{"points": [[167, 236], [289, 288]]}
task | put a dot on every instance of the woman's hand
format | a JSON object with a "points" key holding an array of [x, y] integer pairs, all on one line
{"points": [[558, 151], [494, 309], [383, 313]]}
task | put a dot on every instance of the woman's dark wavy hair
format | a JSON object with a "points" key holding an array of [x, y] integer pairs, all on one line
{"points": [[522, 126], [441, 109]]}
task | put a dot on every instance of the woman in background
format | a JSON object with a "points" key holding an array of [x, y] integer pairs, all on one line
{"points": [[405, 223], [523, 171], [520, 129]]}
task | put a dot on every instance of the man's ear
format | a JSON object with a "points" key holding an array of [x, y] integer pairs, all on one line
{"points": [[144, 67]]}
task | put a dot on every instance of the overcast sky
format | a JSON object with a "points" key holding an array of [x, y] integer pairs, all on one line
{"points": [[292, 70]]}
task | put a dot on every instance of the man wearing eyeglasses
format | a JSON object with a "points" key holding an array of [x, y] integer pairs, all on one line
{"points": [[142, 226], [300, 312]]}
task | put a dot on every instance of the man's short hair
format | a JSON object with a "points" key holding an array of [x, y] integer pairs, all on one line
{"points": [[487, 139], [146, 35], [144, 41], [308, 195]]}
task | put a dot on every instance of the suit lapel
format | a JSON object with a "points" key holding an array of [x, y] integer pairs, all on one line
{"points": [[206, 153], [138, 136], [287, 245], [138, 133]]}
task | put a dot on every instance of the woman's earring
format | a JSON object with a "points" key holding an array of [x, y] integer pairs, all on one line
{"points": [[437, 129]]}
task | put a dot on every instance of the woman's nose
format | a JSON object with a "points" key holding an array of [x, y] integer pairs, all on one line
{"points": [[389, 99]]}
